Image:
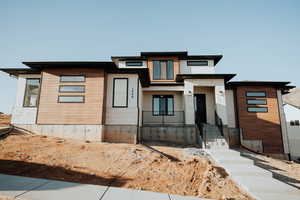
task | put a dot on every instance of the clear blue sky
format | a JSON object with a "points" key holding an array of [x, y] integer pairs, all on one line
{"points": [[260, 40]]}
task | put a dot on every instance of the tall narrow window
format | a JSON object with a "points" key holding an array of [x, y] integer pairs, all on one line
{"points": [[31, 92], [163, 70], [163, 105], [120, 92]]}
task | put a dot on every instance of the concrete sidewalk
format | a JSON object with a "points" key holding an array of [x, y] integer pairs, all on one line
{"points": [[23, 188], [255, 180]]}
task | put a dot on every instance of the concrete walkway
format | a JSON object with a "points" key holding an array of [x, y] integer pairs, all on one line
{"points": [[24, 188], [257, 181]]}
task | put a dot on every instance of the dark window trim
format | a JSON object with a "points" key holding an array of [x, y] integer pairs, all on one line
{"points": [[72, 81], [70, 96], [189, 63], [165, 96], [140, 63], [25, 91], [59, 89], [113, 100], [165, 60], [257, 111], [256, 96], [266, 102]]}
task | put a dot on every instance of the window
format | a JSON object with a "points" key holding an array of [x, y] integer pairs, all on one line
{"points": [[71, 88], [120, 92], [163, 105], [31, 92], [134, 63], [257, 109], [72, 78], [295, 123], [71, 99], [257, 101], [163, 70], [256, 94], [197, 63]]}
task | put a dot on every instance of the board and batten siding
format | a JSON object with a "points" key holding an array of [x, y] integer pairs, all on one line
{"points": [[122, 115], [20, 114], [88, 113]]}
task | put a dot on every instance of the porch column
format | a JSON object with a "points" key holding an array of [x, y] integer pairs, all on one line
{"points": [[221, 103], [189, 109]]}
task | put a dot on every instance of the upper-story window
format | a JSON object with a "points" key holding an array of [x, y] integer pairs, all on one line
{"points": [[197, 63], [163, 70], [72, 78], [134, 63], [31, 92]]}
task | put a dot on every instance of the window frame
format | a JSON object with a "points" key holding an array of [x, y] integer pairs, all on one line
{"points": [[83, 99], [83, 75], [257, 111], [160, 78], [189, 63], [132, 61], [113, 94], [167, 111], [25, 92], [265, 94], [59, 89], [265, 100]]}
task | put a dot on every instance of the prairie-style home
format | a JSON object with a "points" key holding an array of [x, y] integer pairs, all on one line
{"points": [[169, 97]]}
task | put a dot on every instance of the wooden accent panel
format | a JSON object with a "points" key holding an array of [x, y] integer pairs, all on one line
{"points": [[176, 67], [89, 113], [261, 126]]}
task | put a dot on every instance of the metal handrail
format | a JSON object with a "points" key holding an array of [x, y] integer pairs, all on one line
{"points": [[159, 118], [219, 123]]}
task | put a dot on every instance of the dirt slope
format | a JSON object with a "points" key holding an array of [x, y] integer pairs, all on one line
{"points": [[120, 165]]}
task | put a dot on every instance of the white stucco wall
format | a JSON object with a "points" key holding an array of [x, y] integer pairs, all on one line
{"points": [[230, 108], [185, 69], [219, 96], [122, 64], [20, 114], [293, 113], [209, 100], [122, 116]]}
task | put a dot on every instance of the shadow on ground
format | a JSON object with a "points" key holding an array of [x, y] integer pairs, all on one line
{"points": [[35, 170]]}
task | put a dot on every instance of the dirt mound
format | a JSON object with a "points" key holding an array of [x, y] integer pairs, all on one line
{"points": [[120, 165], [5, 119]]}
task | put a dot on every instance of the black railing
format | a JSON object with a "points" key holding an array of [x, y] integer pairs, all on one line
{"points": [[159, 118], [219, 123]]}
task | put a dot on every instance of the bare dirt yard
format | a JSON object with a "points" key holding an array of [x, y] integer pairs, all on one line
{"points": [[283, 170], [119, 165]]}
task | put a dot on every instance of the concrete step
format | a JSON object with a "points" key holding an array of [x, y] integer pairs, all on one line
{"points": [[276, 196], [265, 185], [246, 170]]}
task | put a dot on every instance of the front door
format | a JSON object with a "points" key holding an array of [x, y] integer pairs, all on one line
{"points": [[200, 108]]}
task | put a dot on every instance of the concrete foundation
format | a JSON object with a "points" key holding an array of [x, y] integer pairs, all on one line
{"points": [[120, 134], [81, 132], [186, 135]]}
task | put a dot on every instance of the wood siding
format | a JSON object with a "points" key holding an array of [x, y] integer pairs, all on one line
{"points": [[176, 67], [88, 113], [261, 126]]}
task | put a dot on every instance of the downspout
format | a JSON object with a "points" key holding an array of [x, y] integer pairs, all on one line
{"points": [[138, 109]]}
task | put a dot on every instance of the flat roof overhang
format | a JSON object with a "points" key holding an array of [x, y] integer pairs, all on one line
{"points": [[69, 64], [17, 71], [226, 77], [283, 85]]}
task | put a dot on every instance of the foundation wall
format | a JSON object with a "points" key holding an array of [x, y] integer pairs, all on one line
{"points": [[81, 132]]}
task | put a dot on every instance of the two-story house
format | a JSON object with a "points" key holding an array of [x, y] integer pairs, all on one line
{"points": [[157, 96]]}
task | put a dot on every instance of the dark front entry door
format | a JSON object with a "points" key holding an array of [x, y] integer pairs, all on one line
{"points": [[200, 108]]}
